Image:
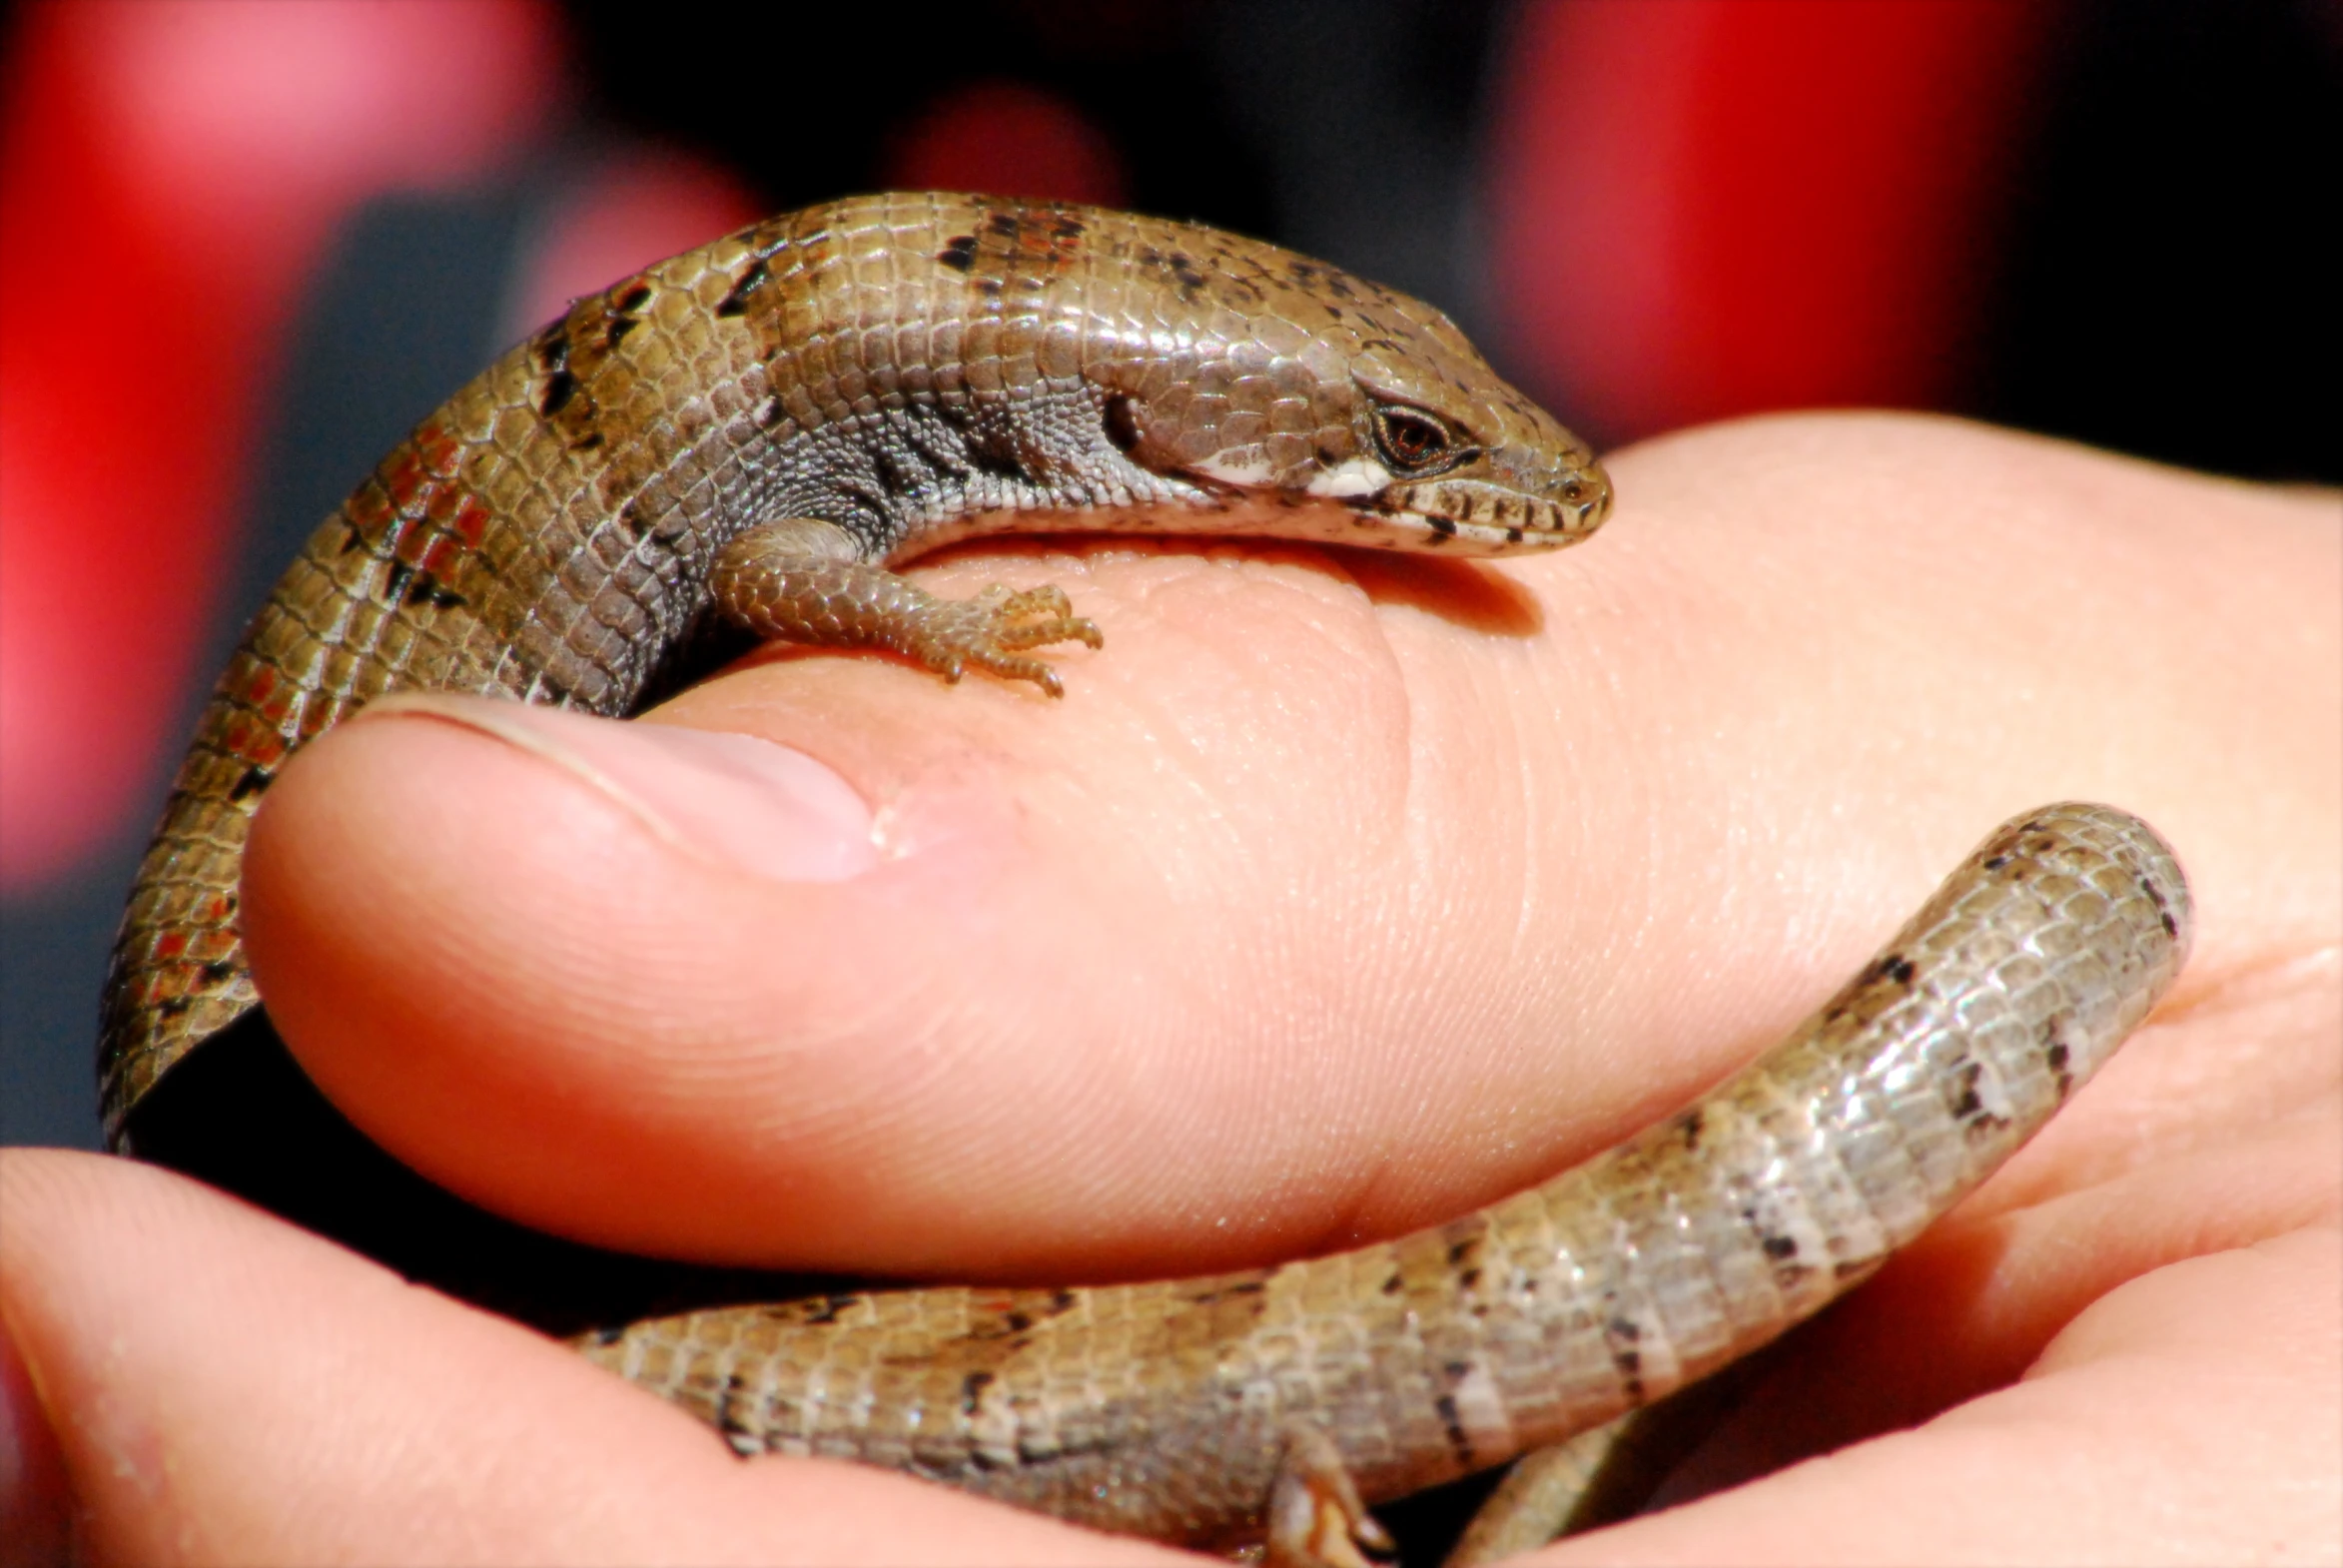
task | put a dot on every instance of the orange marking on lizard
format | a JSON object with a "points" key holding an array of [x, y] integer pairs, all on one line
{"points": [[470, 522], [257, 744], [440, 450], [371, 511], [439, 553]]}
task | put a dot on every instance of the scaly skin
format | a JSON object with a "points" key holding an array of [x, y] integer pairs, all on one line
{"points": [[751, 433]]}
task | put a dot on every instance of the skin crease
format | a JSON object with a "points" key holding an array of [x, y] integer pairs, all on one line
{"points": [[1341, 895]]}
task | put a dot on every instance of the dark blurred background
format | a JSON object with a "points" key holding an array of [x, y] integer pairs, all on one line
{"points": [[244, 243]]}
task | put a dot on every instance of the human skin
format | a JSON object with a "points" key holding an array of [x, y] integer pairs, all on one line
{"points": [[1343, 894]]}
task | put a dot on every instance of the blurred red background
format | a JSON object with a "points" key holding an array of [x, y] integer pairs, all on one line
{"points": [[245, 242]]}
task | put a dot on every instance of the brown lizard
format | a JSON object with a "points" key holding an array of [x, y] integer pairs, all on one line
{"points": [[754, 434]]}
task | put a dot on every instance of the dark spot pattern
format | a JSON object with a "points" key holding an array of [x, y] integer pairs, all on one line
{"points": [[1967, 1102], [739, 1431], [1218, 1293], [998, 458], [1621, 1337], [2057, 1057], [551, 348], [825, 1309], [1464, 1237], [560, 387], [1688, 1126], [1452, 1423], [745, 287], [412, 585]]}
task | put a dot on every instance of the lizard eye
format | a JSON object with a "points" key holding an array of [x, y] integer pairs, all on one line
{"points": [[1414, 442]]}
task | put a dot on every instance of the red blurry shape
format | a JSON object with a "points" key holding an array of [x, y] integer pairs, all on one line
{"points": [[1716, 207], [1008, 139], [170, 172]]}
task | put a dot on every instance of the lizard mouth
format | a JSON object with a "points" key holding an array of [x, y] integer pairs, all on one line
{"points": [[1472, 517]]}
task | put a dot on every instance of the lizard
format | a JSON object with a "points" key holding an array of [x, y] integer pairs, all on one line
{"points": [[753, 436]]}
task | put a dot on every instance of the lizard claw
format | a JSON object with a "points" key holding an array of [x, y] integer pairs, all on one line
{"points": [[992, 630], [1315, 1517]]}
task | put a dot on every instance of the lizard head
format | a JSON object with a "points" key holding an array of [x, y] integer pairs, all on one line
{"points": [[1440, 444], [1361, 414]]}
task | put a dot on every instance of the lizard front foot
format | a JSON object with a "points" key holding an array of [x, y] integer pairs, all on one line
{"points": [[768, 581]]}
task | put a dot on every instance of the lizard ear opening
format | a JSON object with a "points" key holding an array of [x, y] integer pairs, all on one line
{"points": [[1120, 415]]}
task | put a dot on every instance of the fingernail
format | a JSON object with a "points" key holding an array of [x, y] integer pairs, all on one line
{"points": [[732, 799]]}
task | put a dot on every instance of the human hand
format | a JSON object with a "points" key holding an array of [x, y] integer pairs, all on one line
{"points": [[1342, 895]]}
